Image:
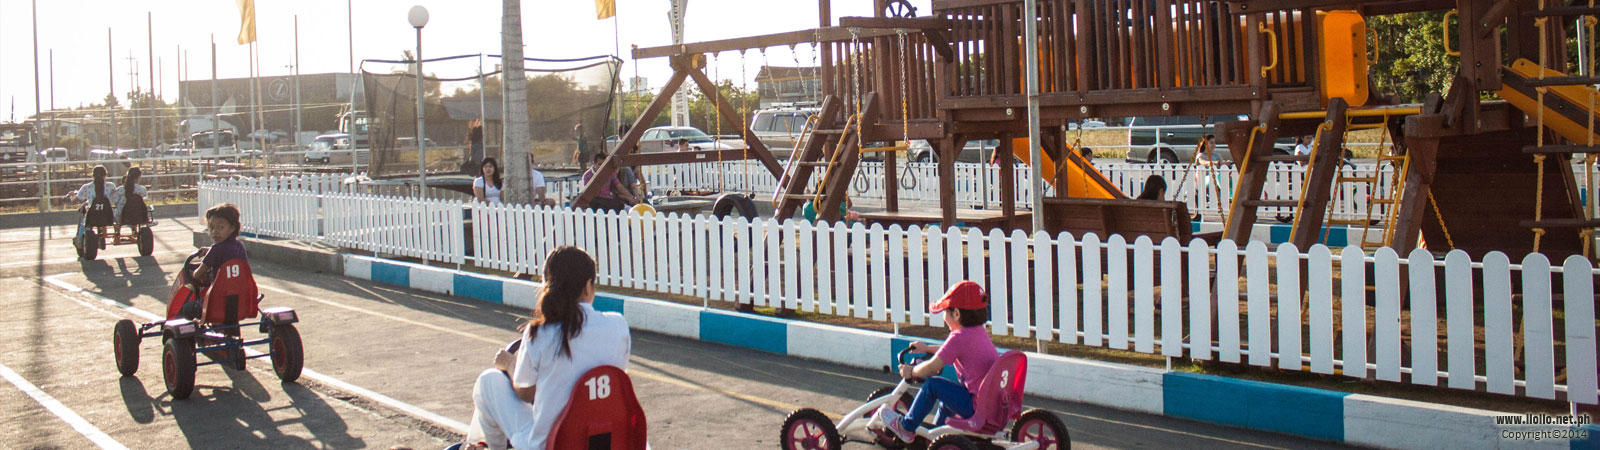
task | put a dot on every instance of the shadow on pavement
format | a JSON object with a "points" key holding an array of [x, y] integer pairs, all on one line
{"points": [[141, 407]]}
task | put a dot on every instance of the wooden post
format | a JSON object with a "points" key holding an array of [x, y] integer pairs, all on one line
{"points": [[1313, 207], [1008, 178], [1247, 147], [947, 177], [629, 142]]}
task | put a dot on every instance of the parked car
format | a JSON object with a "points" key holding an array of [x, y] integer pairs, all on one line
{"points": [[657, 140], [322, 148], [1172, 139], [780, 126], [53, 154], [974, 151]]}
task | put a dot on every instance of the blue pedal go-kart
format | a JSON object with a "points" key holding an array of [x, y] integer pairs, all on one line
{"points": [[997, 421], [208, 319]]}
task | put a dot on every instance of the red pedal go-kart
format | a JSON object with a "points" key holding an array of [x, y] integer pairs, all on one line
{"points": [[98, 217], [997, 420], [207, 319]]}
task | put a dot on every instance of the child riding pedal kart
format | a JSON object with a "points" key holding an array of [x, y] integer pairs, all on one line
{"points": [[108, 207], [205, 315], [983, 410]]}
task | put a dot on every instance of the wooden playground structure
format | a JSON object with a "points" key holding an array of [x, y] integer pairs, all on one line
{"points": [[1468, 173]]}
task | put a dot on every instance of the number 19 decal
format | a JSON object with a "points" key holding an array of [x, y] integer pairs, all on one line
{"points": [[599, 387], [233, 272]]}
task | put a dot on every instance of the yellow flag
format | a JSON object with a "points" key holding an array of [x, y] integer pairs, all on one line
{"points": [[604, 9], [247, 21]]}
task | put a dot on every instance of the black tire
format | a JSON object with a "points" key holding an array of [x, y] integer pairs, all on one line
{"points": [[809, 429], [147, 242], [177, 367], [887, 439], [1168, 157], [91, 246], [288, 356], [953, 442], [727, 203], [125, 347], [1037, 425]]}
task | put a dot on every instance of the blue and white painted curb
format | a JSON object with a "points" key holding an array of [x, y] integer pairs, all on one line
{"points": [[1314, 413]]}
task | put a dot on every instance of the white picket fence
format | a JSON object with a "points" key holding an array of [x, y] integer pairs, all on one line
{"points": [[1144, 296]]}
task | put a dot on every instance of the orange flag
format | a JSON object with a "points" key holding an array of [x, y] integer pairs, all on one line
{"points": [[604, 9]]}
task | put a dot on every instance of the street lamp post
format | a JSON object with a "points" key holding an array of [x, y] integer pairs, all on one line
{"points": [[419, 19]]}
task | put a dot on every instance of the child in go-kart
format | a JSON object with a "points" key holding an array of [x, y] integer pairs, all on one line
{"points": [[966, 309], [222, 223]]}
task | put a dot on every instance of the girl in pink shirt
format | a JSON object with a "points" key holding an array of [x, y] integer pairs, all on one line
{"points": [[966, 309]]}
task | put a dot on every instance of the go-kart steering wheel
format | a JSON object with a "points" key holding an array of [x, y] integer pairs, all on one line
{"points": [[904, 357], [187, 274]]}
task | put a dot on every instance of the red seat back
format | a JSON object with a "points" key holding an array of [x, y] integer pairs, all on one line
{"points": [[999, 397], [232, 295], [602, 414]]}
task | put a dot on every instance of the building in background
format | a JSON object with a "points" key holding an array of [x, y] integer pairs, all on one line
{"points": [[638, 86], [788, 85]]}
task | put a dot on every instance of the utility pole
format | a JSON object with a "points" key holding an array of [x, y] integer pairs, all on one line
{"points": [[150, 40], [297, 83], [111, 80], [133, 82], [44, 201]]}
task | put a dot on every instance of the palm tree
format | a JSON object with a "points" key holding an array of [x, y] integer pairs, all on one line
{"points": [[518, 138]]}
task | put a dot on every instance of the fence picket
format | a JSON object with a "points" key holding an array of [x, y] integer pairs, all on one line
{"points": [[842, 269], [935, 286], [1092, 304], [955, 260], [1578, 290], [1117, 292], [1498, 343], [1044, 297], [728, 284], [858, 276], [1319, 286], [1424, 322], [772, 235], [1289, 321], [1143, 296], [1171, 298], [995, 265], [809, 259], [896, 274], [825, 268], [1067, 287], [977, 253], [1459, 332], [1537, 337], [1258, 304], [916, 280], [792, 264], [1200, 305], [1386, 320]]}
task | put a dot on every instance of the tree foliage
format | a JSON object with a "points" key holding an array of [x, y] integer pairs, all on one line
{"points": [[1411, 62]]}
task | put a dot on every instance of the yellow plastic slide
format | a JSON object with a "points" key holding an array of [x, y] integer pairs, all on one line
{"points": [[1079, 183], [1578, 95]]}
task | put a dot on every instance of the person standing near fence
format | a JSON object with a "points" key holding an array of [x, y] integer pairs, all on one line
{"points": [[486, 188], [537, 185]]}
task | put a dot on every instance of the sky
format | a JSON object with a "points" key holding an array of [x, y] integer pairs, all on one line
{"points": [[76, 31]]}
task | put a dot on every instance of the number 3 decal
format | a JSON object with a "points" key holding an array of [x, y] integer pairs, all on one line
{"points": [[599, 387]]}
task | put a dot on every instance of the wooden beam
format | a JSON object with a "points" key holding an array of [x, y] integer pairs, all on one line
{"points": [[726, 112], [823, 35], [947, 177], [655, 159], [1247, 146], [1309, 215], [1008, 177], [893, 23], [630, 141]]}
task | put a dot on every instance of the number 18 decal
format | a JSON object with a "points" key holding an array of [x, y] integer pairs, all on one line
{"points": [[599, 387]]}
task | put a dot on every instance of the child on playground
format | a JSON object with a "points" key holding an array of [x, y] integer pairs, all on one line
{"points": [[966, 309]]}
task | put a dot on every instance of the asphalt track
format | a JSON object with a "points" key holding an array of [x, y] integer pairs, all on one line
{"points": [[392, 367]]}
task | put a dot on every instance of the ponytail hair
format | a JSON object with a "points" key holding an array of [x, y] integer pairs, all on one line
{"points": [[99, 180], [131, 179], [567, 271]]}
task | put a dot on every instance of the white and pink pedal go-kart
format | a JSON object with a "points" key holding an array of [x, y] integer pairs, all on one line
{"points": [[997, 421]]}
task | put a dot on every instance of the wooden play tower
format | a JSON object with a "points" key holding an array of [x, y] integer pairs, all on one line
{"points": [[1468, 173]]}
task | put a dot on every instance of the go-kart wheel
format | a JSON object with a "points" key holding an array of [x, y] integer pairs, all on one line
{"points": [[287, 355], [125, 346], [177, 367], [885, 438], [953, 442], [1037, 425], [809, 429], [91, 246], [147, 242]]}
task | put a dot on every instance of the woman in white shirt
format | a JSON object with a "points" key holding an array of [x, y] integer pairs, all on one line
{"points": [[519, 399], [486, 188], [87, 192]]}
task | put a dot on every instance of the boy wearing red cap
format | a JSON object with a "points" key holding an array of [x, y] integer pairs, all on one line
{"points": [[966, 309]]}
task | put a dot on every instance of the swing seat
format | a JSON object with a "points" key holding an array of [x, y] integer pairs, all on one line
{"points": [[1127, 217]]}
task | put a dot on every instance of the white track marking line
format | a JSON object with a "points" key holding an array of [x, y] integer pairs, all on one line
{"points": [[66, 414], [331, 381], [62, 260]]}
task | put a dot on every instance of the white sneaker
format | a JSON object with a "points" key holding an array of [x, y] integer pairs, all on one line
{"points": [[891, 421]]}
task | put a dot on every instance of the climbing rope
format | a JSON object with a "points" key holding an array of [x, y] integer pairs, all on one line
{"points": [[908, 179], [1538, 158], [715, 121]]}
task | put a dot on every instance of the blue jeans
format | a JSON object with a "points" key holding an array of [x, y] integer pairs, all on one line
{"points": [[956, 399]]}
